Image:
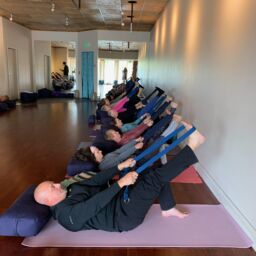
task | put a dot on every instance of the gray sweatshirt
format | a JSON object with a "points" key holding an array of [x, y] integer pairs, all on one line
{"points": [[118, 156]]}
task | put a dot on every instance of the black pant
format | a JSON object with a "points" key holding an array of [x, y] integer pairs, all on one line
{"points": [[143, 194], [165, 197]]}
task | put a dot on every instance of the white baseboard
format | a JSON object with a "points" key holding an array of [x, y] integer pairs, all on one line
{"points": [[228, 204]]}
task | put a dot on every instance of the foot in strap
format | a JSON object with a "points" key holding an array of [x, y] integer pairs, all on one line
{"points": [[195, 139], [174, 105], [177, 118]]}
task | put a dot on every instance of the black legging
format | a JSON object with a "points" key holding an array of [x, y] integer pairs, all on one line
{"points": [[143, 194]]}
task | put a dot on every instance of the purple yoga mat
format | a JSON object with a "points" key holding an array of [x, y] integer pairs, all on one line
{"points": [[206, 226]]}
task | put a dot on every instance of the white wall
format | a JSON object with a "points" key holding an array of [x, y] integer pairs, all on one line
{"points": [[19, 38], [143, 63], [3, 62], [203, 52], [42, 48]]}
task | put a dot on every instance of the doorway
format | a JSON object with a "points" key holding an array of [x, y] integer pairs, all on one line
{"points": [[47, 71], [12, 74]]}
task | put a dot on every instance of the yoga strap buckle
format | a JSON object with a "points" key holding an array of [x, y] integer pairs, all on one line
{"points": [[126, 201]]}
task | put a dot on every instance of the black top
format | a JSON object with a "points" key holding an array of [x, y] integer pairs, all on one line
{"points": [[66, 70], [89, 204]]}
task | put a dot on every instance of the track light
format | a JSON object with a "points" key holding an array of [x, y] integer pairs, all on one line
{"points": [[132, 2], [53, 7], [122, 24], [66, 21], [11, 17]]}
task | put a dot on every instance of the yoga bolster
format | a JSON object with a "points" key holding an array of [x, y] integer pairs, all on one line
{"points": [[3, 107], [44, 93], [25, 217], [11, 103], [91, 120], [28, 97], [76, 166]]}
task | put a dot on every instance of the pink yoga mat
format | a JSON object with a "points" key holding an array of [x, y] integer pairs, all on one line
{"points": [[206, 226], [188, 176]]}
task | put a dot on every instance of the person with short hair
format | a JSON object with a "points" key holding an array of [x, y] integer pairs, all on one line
{"points": [[65, 69]]}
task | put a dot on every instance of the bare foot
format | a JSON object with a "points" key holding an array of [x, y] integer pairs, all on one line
{"points": [[175, 213], [177, 118], [195, 139], [169, 99], [174, 104]]}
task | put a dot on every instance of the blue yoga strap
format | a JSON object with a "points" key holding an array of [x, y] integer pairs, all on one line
{"points": [[154, 147], [160, 154]]}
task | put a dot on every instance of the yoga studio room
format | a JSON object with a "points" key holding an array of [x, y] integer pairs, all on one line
{"points": [[127, 127]]}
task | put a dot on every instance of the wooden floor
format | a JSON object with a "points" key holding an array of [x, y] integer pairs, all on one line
{"points": [[36, 143]]}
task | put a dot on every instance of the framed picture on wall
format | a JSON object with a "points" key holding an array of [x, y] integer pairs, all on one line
{"points": [[77, 3]]}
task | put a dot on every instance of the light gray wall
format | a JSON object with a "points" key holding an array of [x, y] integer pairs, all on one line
{"points": [[143, 63], [19, 38], [128, 36], [203, 52], [128, 55], [3, 62]]}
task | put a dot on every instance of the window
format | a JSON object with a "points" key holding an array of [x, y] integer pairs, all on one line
{"points": [[111, 70]]}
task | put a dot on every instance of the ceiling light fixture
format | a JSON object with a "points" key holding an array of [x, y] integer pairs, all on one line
{"points": [[66, 21], [53, 7], [122, 14], [11, 17], [131, 16]]}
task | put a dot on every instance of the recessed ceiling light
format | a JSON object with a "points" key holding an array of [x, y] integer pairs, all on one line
{"points": [[53, 7], [66, 21]]}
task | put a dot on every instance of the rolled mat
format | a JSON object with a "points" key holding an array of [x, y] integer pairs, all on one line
{"points": [[206, 226]]}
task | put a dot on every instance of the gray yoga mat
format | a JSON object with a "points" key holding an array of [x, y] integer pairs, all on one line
{"points": [[206, 226]]}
